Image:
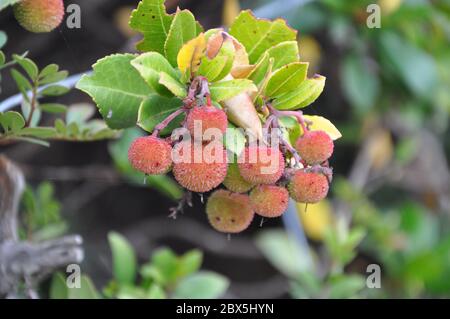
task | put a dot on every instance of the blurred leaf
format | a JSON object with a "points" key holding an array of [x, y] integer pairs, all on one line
{"points": [[22, 82], [230, 11], [28, 65], [54, 77], [5, 3], [316, 218], [190, 262], [3, 38], [117, 88], [49, 70], [346, 286], [156, 292], [11, 121], [87, 290], [202, 285], [58, 287], [416, 68], [54, 90], [283, 252], [258, 35], [79, 113], [360, 84], [124, 259], [166, 263], [53, 107]]}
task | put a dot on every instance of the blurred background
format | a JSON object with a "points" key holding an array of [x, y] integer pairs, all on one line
{"points": [[387, 91]]}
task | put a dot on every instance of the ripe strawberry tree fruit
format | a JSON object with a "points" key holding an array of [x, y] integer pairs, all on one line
{"points": [[229, 107], [39, 16]]}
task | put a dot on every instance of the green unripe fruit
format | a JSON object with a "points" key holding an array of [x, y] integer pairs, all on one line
{"points": [[234, 181], [229, 212]]}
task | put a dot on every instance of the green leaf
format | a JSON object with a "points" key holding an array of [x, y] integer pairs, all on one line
{"points": [[12, 121], [150, 65], [29, 66], [308, 91], [2, 59], [258, 35], [155, 109], [286, 79], [151, 19], [284, 53], [283, 252], [202, 285], [53, 107], [167, 265], [117, 88], [22, 82], [39, 132], [124, 259], [87, 290], [212, 69], [346, 286], [190, 262], [360, 84], [54, 77], [156, 292], [182, 29], [262, 69], [58, 287], [416, 68], [224, 90], [173, 85], [54, 90], [49, 70]]}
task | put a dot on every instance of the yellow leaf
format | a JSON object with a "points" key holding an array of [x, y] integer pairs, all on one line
{"points": [[316, 219], [231, 9], [191, 53], [389, 6], [320, 123]]}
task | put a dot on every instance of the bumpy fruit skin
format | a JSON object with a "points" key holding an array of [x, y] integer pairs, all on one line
{"points": [[308, 187], [234, 181], [150, 155], [229, 212], [202, 175], [315, 147], [39, 15], [269, 200], [261, 165], [209, 117]]}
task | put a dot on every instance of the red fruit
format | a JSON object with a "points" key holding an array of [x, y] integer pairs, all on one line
{"points": [[198, 167], [150, 155], [269, 200], [315, 147], [39, 15], [229, 212], [234, 181], [308, 187], [261, 164], [208, 117]]}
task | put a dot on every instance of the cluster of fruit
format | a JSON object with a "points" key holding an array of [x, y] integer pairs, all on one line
{"points": [[251, 187]]}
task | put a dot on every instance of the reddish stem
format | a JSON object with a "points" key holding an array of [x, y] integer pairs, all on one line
{"points": [[167, 121]]}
